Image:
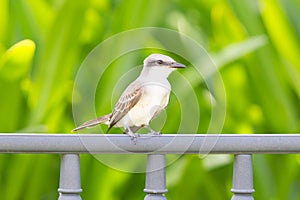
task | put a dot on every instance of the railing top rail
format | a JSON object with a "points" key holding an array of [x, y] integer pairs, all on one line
{"points": [[146, 144]]}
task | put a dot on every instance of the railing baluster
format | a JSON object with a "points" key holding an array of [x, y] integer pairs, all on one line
{"points": [[69, 183], [242, 185], [155, 178]]}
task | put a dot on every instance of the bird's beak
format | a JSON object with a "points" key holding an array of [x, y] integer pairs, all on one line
{"points": [[176, 65]]}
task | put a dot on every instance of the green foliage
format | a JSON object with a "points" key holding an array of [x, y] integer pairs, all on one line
{"points": [[255, 44]]}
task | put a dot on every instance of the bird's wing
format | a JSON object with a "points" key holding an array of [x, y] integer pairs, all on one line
{"points": [[128, 100]]}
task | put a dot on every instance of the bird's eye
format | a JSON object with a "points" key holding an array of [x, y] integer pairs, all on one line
{"points": [[160, 62]]}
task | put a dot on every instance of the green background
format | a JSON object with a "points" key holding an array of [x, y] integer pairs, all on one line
{"points": [[254, 43]]}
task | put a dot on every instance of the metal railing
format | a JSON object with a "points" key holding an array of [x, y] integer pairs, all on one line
{"points": [[71, 145]]}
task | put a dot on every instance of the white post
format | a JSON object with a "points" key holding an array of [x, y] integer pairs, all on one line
{"points": [[69, 183], [242, 184], [156, 178]]}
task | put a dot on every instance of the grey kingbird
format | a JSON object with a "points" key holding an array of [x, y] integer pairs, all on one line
{"points": [[143, 99]]}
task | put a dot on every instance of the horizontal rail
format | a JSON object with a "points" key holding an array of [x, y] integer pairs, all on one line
{"points": [[156, 144]]}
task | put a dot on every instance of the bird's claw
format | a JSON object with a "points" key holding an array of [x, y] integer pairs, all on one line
{"points": [[133, 139], [132, 136], [151, 131], [154, 133]]}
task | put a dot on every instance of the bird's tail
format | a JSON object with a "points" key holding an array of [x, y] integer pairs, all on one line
{"points": [[101, 120]]}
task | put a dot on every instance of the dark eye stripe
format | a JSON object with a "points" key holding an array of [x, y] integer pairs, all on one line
{"points": [[160, 62], [155, 63]]}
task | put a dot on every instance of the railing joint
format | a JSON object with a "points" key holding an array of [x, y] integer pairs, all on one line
{"points": [[154, 191], [242, 191], [69, 191]]}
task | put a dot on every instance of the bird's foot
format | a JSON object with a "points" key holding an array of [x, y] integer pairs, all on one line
{"points": [[132, 136], [152, 132]]}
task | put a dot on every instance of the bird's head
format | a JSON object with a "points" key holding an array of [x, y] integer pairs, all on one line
{"points": [[160, 65]]}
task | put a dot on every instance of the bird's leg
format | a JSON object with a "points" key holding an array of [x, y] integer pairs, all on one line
{"points": [[132, 135], [151, 131]]}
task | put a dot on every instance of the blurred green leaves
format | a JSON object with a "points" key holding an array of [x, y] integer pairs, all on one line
{"points": [[254, 43], [16, 62], [285, 41], [56, 61], [15, 65]]}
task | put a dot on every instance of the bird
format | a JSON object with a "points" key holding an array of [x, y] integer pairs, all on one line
{"points": [[143, 99]]}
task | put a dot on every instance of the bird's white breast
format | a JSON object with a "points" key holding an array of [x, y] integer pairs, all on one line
{"points": [[155, 98]]}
